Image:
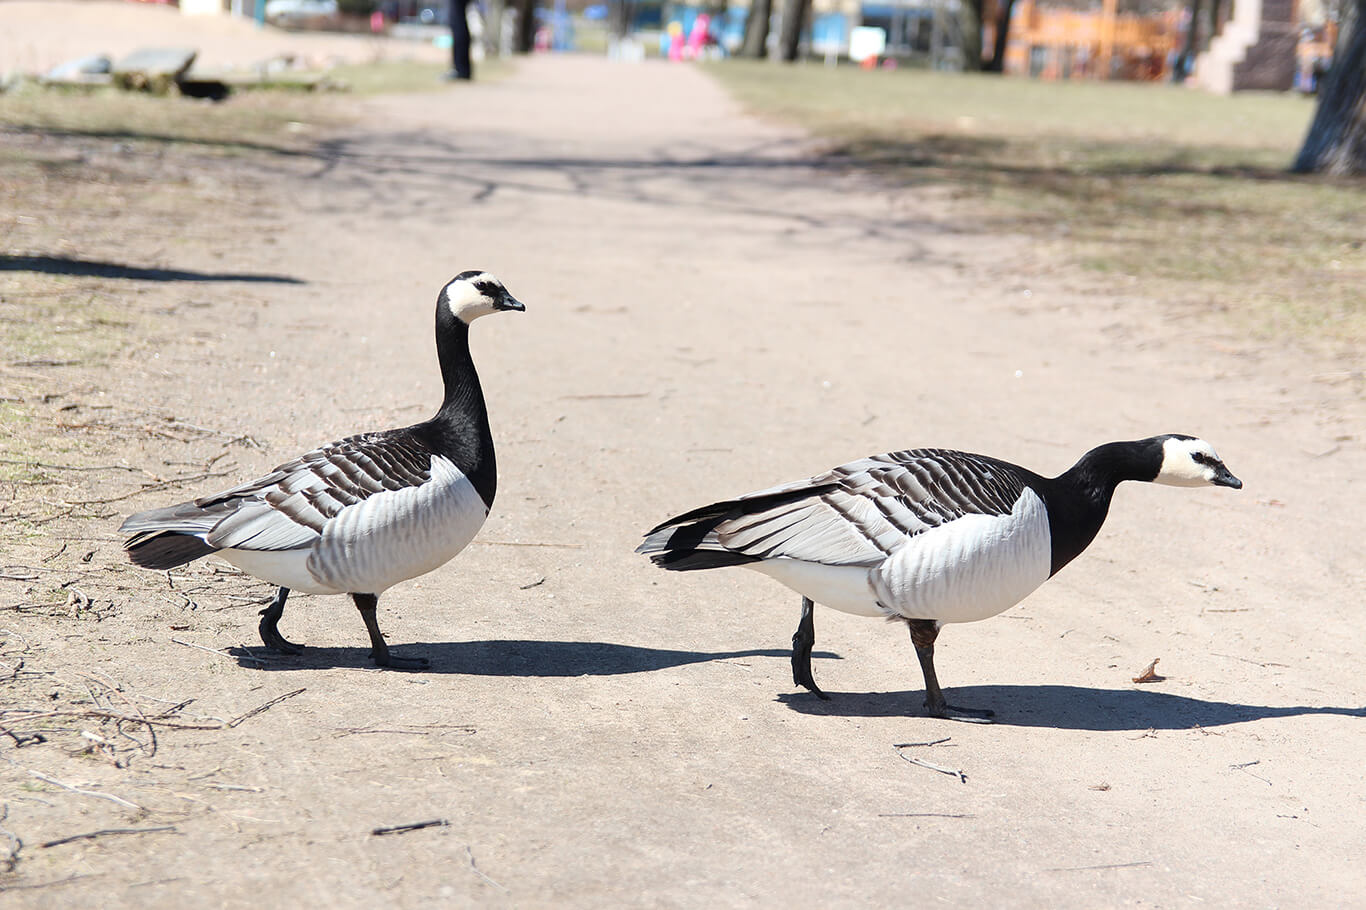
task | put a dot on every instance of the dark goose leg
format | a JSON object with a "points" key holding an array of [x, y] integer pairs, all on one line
{"points": [[802, 641], [270, 631], [366, 603], [923, 634]]}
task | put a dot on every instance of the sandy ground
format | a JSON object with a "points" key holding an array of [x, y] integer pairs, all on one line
{"points": [[36, 35], [710, 311]]}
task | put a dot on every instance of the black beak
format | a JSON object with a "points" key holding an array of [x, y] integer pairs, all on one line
{"points": [[1224, 478], [511, 303]]}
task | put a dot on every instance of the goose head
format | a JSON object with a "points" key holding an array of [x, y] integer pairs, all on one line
{"points": [[1190, 462], [473, 293]]}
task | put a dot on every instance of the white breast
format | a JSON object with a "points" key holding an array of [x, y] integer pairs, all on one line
{"points": [[970, 568], [398, 534]]}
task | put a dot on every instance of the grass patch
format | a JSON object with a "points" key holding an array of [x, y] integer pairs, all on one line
{"points": [[1185, 191], [248, 121]]}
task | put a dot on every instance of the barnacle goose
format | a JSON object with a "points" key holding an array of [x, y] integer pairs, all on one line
{"points": [[929, 536], [359, 515]]}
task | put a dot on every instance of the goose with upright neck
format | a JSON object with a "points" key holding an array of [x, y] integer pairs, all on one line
{"points": [[925, 536], [362, 514]]}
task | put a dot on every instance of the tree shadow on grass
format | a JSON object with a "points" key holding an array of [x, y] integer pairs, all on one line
{"points": [[1063, 707], [68, 265], [500, 657]]}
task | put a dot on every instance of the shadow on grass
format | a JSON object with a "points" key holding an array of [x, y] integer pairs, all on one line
{"points": [[502, 657], [161, 138], [67, 265], [1063, 707], [1050, 160]]}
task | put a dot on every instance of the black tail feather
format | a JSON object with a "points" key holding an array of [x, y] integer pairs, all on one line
{"points": [[686, 542], [166, 551], [692, 560]]}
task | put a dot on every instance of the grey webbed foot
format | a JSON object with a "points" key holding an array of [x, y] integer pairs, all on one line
{"points": [[965, 715]]}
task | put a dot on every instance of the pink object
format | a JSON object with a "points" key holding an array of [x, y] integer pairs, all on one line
{"points": [[697, 38]]}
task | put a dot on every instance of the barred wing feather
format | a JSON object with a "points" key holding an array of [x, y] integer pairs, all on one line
{"points": [[288, 508], [858, 513]]}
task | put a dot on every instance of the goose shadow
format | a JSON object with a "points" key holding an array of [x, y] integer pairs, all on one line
{"points": [[1063, 707], [500, 657]]}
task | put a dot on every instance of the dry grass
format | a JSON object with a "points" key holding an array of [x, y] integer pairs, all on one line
{"points": [[1185, 192]]}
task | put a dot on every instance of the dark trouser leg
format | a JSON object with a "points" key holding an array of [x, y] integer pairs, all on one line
{"points": [[802, 641], [367, 603], [923, 634], [270, 632]]}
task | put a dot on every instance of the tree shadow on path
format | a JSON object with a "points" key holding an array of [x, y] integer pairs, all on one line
{"points": [[1062, 707], [501, 657], [69, 265]]}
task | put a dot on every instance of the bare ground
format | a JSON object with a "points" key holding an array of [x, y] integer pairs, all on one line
{"points": [[710, 310]]}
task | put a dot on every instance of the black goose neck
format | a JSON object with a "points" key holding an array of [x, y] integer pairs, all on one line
{"points": [[1105, 467], [464, 397], [460, 429], [1078, 500]]}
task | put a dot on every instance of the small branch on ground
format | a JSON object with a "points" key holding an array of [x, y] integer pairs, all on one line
{"points": [[951, 772], [263, 708], [411, 826], [475, 869], [105, 832]]}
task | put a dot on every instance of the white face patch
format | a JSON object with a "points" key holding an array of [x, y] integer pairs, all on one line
{"points": [[466, 301], [1188, 463]]}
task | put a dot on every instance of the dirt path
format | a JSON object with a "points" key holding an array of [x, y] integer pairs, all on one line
{"points": [[710, 312]]}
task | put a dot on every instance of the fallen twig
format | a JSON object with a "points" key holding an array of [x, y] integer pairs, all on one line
{"points": [[475, 870], [1243, 767], [1104, 866], [91, 835], [109, 796], [932, 742], [110, 715], [951, 772], [190, 644], [518, 543], [536, 583], [923, 815], [411, 826], [266, 707]]}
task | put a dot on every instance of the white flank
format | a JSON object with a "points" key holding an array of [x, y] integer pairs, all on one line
{"points": [[843, 588], [969, 569], [390, 537], [399, 534], [288, 568]]}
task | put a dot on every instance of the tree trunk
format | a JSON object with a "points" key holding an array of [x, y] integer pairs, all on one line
{"points": [[493, 28], [525, 38], [1336, 142], [619, 16], [1185, 61], [970, 26], [997, 63], [756, 30], [790, 30], [461, 68]]}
